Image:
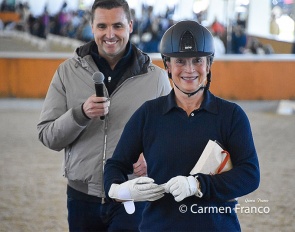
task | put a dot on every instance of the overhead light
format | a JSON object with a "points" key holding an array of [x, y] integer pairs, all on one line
{"points": [[200, 5]]}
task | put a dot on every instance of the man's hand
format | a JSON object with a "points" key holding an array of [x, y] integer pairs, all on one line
{"points": [[138, 189], [95, 107], [181, 187], [140, 167]]}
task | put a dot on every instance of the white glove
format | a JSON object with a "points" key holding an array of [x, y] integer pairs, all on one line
{"points": [[138, 189], [181, 187]]}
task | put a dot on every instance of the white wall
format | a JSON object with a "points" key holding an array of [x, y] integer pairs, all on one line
{"points": [[259, 17], [217, 9]]}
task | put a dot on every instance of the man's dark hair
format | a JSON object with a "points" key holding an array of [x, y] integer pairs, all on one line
{"points": [[110, 4]]}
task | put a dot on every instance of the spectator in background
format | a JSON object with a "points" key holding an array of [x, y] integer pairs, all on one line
{"points": [[43, 24], [254, 47], [147, 19], [63, 19], [146, 32], [268, 49], [219, 45], [151, 38], [135, 22], [239, 40], [274, 28], [73, 24], [31, 24], [217, 28], [84, 31], [219, 36], [24, 11], [241, 21], [5, 6], [1, 25], [293, 48]]}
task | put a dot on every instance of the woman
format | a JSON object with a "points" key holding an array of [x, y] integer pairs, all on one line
{"points": [[172, 131]]}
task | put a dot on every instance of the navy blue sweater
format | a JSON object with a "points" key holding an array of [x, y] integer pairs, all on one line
{"points": [[172, 143]]}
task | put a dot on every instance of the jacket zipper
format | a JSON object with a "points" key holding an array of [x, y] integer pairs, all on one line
{"points": [[66, 163], [105, 144], [106, 124], [104, 149], [105, 139]]}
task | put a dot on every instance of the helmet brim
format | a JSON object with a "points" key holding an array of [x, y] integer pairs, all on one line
{"points": [[188, 54]]}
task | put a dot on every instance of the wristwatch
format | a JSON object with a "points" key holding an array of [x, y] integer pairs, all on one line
{"points": [[198, 192]]}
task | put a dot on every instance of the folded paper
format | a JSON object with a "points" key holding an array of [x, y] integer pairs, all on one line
{"points": [[213, 160]]}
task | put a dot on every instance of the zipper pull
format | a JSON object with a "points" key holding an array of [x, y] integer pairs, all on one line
{"points": [[109, 79]]}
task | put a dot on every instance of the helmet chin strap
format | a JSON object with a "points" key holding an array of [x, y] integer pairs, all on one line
{"points": [[201, 86]]}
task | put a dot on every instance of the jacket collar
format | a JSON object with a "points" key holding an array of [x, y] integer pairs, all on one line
{"points": [[209, 103], [103, 64], [139, 64]]}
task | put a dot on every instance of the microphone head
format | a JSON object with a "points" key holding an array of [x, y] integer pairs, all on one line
{"points": [[98, 77]]}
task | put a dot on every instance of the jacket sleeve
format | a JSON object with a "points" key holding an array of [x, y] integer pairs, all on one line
{"points": [[127, 151], [163, 83], [244, 177], [57, 127]]}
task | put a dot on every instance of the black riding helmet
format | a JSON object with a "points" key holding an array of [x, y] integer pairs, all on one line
{"points": [[187, 39]]}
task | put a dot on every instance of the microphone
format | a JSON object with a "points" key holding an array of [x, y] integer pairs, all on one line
{"points": [[98, 79]]}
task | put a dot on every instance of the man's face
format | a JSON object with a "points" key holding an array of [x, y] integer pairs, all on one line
{"points": [[188, 73], [111, 32]]}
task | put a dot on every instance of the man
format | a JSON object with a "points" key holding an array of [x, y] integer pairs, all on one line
{"points": [[173, 131], [70, 118]]}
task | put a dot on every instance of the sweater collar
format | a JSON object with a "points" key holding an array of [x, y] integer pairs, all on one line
{"points": [[209, 103]]}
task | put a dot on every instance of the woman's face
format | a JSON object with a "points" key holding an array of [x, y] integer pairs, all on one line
{"points": [[188, 73]]}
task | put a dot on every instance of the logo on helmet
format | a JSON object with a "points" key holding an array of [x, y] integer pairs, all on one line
{"points": [[187, 42]]}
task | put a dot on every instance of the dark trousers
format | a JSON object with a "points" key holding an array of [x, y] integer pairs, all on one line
{"points": [[110, 216]]}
